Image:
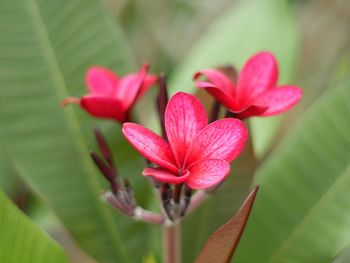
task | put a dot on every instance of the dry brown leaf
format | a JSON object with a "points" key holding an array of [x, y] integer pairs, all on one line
{"points": [[221, 245]]}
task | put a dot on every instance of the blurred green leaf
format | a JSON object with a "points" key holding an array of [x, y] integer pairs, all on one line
{"points": [[150, 259], [8, 177], [343, 257], [46, 47], [343, 67], [302, 213], [246, 28], [21, 241]]}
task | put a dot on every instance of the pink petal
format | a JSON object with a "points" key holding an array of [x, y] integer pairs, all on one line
{"points": [[253, 110], [148, 82], [220, 95], [258, 75], [165, 176], [103, 107], [130, 85], [150, 145], [222, 139], [207, 173], [101, 81], [280, 99], [185, 117], [218, 79]]}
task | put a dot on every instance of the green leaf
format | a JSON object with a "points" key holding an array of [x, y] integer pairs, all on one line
{"points": [[303, 210], [21, 241], [248, 27], [46, 47]]}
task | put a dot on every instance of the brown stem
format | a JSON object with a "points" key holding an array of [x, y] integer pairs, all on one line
{"points": [[165, 194], [171, 238], [177, 193], [229, 114], [186, 200], [215, 111]]}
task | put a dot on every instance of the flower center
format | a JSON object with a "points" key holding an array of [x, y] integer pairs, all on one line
{"points": [[183, 172]]}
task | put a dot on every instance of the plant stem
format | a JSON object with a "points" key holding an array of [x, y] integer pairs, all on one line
{"points": [[215, 111], [137, 212], [171, 241]]}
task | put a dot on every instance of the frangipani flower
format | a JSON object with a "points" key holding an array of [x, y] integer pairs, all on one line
{"points": [[110, 96], [196, 153], [256, 92]]}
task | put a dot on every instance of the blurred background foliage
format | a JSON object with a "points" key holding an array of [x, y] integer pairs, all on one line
{"points": [[45, 48]]}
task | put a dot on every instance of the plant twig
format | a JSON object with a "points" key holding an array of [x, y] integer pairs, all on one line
{"points": [[186, 200], [215, 110], [137, 213], [171, 241], [166, 193]]}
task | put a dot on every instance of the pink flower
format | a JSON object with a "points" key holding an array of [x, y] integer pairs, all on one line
{"points": [[256, 92], [110, 96], [196, 153]]}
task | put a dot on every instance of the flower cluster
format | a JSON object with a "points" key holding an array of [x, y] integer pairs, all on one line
{"points": [[192, 152]]}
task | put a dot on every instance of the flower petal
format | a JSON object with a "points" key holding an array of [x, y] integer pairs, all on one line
{"points": [[280, 99], [222, 139], [150, 145], [185, 117], [130, 85], [103, 107], [206, 173], [258, 75], [219, 80], [165, 176], [219, 94], [253, 110], [148, 82], [101, 81]]}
